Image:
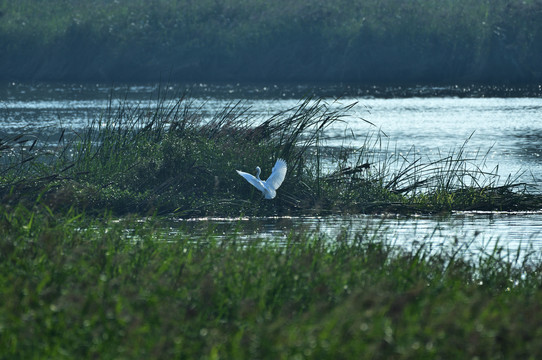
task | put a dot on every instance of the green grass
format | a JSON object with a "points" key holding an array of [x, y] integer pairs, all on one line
{"points": [[368, 41], [74, 286], [169, 160]]}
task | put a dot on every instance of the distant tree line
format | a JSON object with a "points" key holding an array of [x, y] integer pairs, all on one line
{"points": [[365, 41]]}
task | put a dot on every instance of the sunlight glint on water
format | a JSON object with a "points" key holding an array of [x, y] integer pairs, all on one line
{"points": [[468, 232]]}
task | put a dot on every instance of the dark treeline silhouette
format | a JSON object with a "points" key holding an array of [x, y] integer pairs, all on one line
{"points": [[384, 41]]}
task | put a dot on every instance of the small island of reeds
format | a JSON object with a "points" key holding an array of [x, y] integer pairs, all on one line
{"points": [[175, 159]]}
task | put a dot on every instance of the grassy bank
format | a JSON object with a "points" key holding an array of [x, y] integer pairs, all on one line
{"points": [[80, 287], [389, 41], [173, 159]]}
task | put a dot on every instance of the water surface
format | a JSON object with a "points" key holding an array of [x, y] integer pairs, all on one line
{"points": [[502, 234]]}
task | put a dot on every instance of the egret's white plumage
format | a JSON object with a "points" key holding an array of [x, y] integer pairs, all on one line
{"points": [[268, 187]]}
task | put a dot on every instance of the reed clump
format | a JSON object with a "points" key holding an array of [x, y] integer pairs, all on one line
{"points": [[173, 158]]}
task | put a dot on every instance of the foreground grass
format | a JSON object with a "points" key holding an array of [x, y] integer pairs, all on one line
{"points": [[80, 287]]}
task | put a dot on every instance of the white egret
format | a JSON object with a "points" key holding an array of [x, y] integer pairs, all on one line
{"points": [[268, 187]]}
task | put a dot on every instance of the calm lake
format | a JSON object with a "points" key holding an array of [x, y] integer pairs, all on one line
{"points": [[499, 128]]}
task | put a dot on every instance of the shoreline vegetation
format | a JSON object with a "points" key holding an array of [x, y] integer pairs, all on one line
{"points": [[78, 283], [369, 41]]}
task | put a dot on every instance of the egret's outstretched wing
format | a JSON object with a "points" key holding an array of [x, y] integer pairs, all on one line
{"points": [[252, 179], [277, 175]]}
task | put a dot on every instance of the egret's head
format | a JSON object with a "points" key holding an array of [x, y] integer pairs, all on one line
{"points": [[258, 171]]}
